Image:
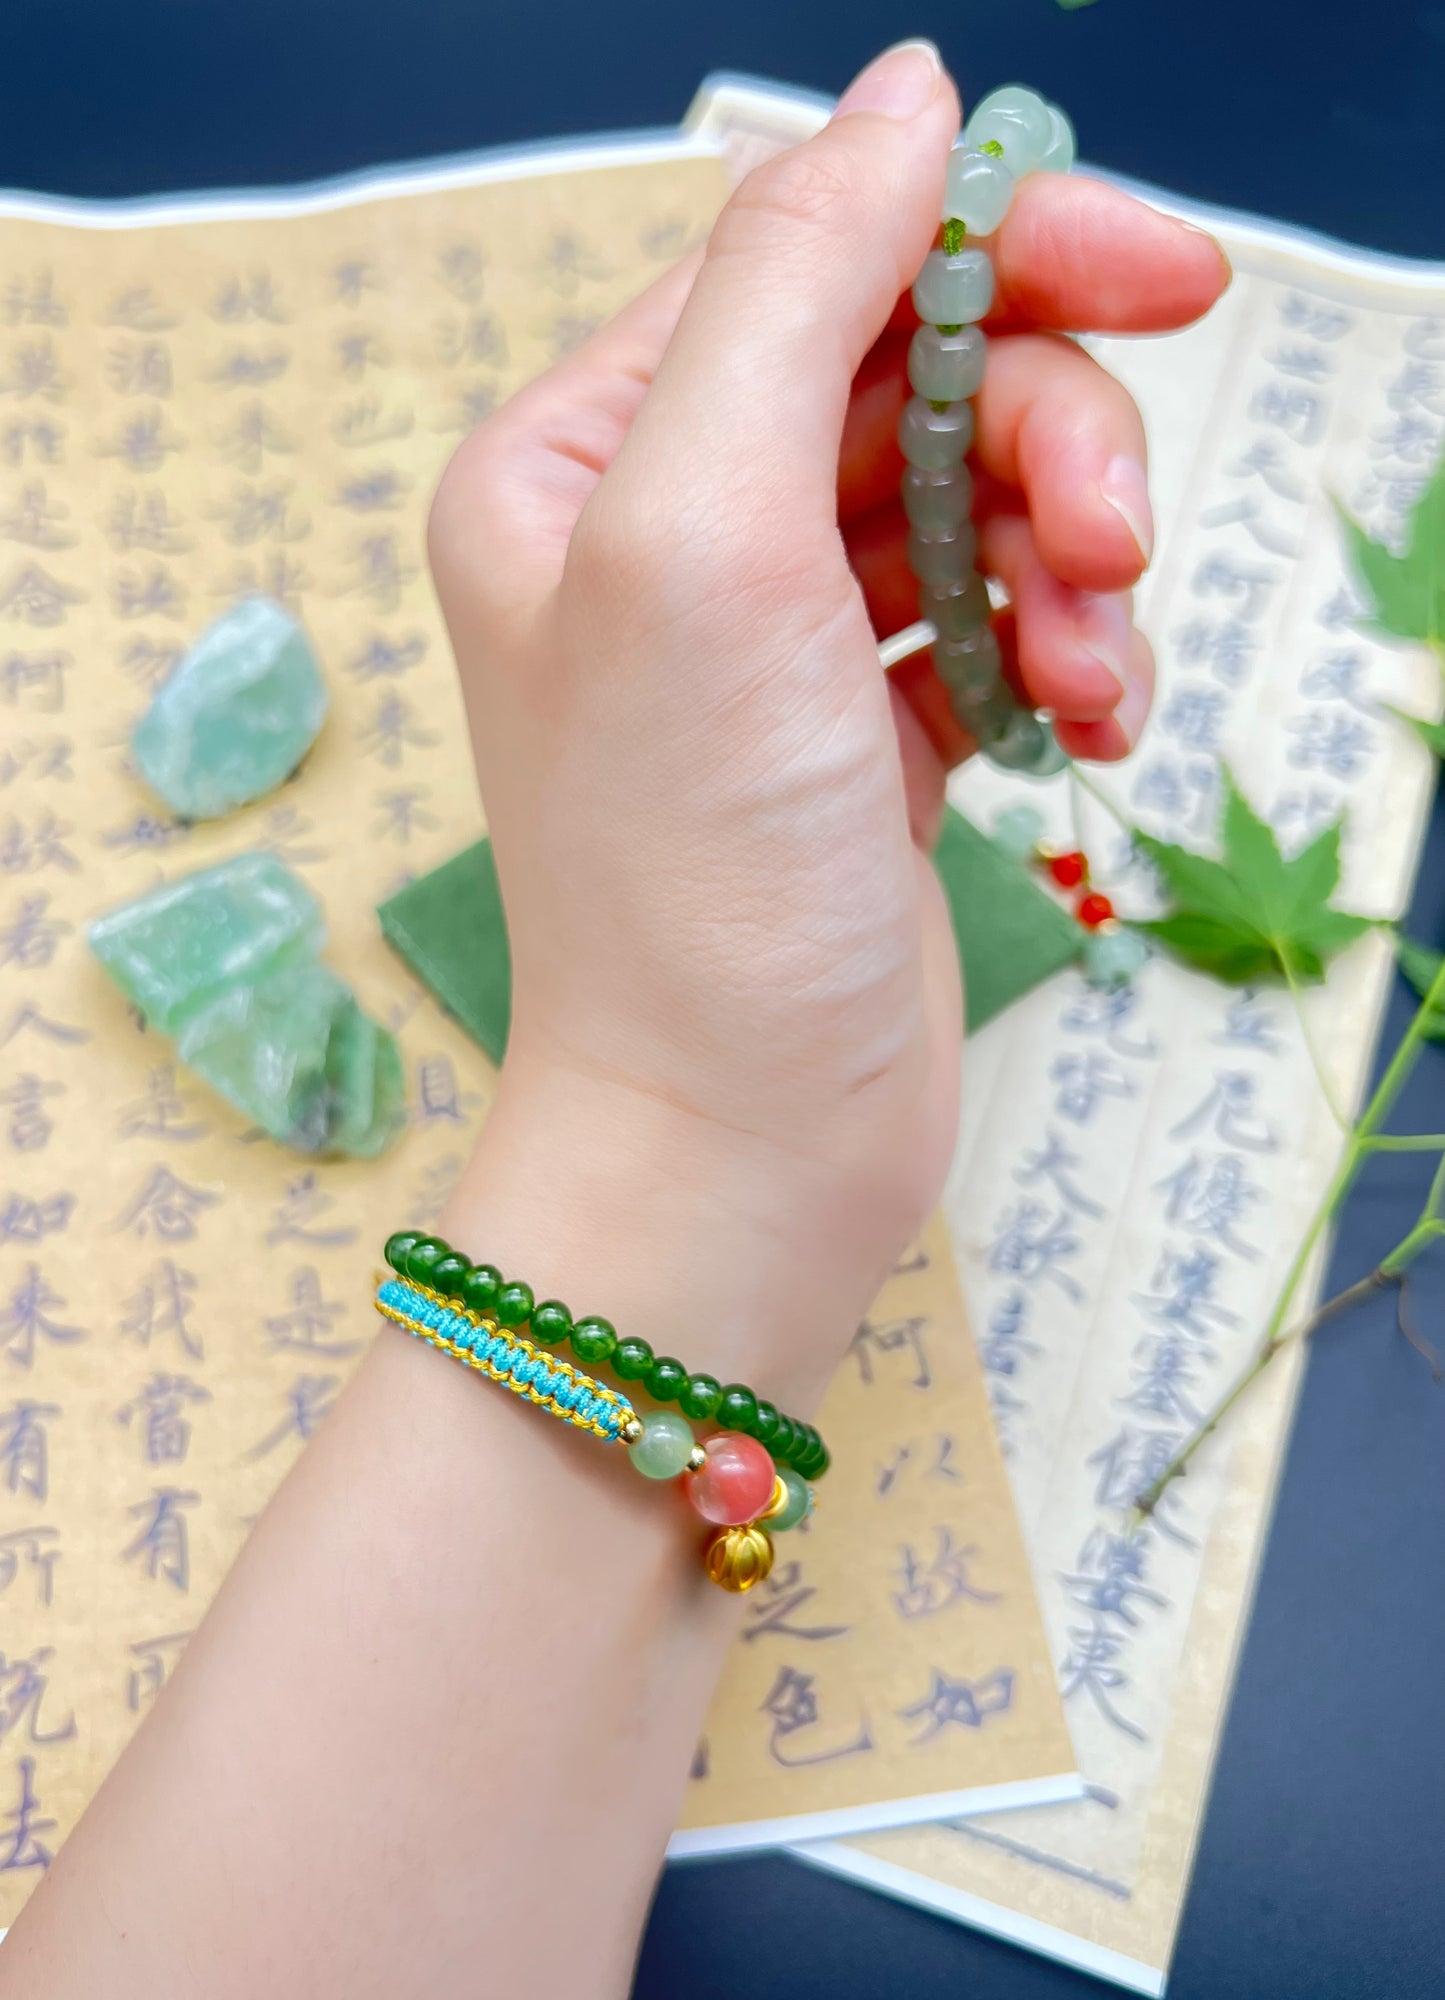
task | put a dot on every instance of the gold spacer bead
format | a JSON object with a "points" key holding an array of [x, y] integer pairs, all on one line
{"points": [[778, 1502], [696, 1459], [737, 1558], [631, 1431]]}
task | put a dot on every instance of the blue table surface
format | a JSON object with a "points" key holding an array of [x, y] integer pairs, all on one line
{"points": [[1321, 1868]]}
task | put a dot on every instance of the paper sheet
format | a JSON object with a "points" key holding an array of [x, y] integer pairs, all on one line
{"points": [[895, 1652], [196, 400], [1135, 1175]]}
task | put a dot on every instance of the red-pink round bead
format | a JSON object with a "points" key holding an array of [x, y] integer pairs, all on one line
{"points": [[736, 1484]]}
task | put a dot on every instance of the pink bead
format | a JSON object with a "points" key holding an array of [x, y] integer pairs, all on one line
{"points": [[736, 1483]]}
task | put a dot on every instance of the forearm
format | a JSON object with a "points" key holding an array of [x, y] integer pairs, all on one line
{"points": [[433, 1735]]}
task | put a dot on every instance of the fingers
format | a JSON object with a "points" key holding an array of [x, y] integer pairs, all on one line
{"points": [[1075, 648], [1054, 423], [802, 273], [1085, 257], [1106, 742], [515, 487]]}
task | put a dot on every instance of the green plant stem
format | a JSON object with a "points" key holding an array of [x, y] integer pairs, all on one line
{"points": [[1082, 778], [1359, 1143], [1407, 1142], [1296, 994]]}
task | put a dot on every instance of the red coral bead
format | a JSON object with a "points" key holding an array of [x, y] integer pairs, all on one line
{"points": [[735, 1484], [1068, 870], [1093, 911]]}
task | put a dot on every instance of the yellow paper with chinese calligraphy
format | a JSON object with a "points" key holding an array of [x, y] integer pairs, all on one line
{"points": [[895, 1652], [196, 401]]}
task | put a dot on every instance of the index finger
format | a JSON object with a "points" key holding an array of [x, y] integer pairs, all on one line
{"points": [[1079, 256]]}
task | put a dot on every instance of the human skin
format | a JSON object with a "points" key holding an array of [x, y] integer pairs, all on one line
{"points": [[432, 1735]]}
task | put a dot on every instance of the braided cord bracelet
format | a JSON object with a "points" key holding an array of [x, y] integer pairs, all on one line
{"points": [[470, 1313], [1011, 132]]}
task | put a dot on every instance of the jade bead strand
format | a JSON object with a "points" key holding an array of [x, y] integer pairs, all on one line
{"points": [[430, 1261], [1012, 132]]}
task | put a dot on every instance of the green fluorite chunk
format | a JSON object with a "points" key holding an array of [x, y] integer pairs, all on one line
{"points": [[236, 717], [173, 951], [227, 962]]}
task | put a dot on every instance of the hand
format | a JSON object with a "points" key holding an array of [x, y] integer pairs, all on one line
{"points": [[665, 565]]}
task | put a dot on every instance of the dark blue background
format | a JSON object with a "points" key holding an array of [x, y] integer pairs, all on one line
{"points": [[1321, 1874]]}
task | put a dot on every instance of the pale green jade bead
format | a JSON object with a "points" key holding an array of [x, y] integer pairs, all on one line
{"points": [[987, 717], [954, 610], [954, 290], [942, 555], [969, 666], [934, 439], [1062, 148], [1028, 746], [937, 499], [1018, 120], [798, 1505], [1018, 830], [947, 367], [665, 1446], [1111, 958], [977, 190]]}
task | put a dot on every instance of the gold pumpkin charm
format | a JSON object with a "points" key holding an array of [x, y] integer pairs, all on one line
{"points": [[737, 1558]]}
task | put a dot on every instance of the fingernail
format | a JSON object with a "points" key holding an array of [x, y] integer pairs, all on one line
{"points": [[1105, 626], [1133, 711], [899, 83], [1216, 246], [1125, 486]]}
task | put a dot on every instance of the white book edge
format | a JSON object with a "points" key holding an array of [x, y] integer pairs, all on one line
{"points": [[1065, 1947], [453, 170], [743, 1836]]}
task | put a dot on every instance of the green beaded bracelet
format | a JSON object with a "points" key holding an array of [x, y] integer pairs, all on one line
{"points": [[481, 1288]]}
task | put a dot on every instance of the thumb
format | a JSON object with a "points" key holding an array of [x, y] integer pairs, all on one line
{"points": [[803, 269]]}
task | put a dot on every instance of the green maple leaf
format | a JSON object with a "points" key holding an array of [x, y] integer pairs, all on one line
{"points": [[1420, 965], [1252, 915], [1406, 592]]}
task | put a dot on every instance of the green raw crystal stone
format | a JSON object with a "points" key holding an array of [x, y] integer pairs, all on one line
{"points": [[295, 1053], [238, 714], [178, 948], [225, 961]]}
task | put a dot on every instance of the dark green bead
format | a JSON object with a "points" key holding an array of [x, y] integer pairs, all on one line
{"points": [[480, 1287], [631, 1360], [792, 1446], [594, 1339], [701, 1396], [398, 1245], [448, 1275], [666, 1379], [822, 1459], [737, 1408], [551, 1323], [424, 1256], [514, 1304], [765, 1424]]}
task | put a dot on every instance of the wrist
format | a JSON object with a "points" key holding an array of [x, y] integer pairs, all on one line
{"points": [[705, 1242]]}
